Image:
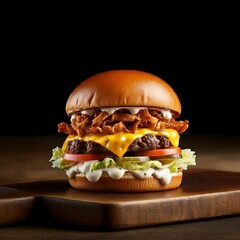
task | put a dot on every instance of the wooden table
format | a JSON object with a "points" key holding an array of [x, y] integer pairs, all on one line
{"points": [[25, 160]]}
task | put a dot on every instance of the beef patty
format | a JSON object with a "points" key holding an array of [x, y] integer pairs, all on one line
{"points": [[147, 142]]}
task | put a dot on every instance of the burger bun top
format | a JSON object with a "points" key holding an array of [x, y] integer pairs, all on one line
{"points": [[123, 88]]}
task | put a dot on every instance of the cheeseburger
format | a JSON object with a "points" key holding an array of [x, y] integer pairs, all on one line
{"points": [[122, 134]]}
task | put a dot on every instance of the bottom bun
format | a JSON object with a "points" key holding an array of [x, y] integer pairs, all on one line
{"points": [[128, 183]]}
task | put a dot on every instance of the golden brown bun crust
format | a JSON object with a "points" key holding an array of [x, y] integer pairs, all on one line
{"points": [[125, 184], [123, 88]]}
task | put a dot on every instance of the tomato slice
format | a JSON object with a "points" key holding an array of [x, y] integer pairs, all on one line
{"points": [[158, 152], [151, 153], [84, 157]]}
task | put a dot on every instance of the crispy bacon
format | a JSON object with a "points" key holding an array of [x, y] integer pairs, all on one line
{"points": [[119, 127], [179, 126], [93, 129], [147, 120], [120, 121], [134, 126], [66, 128], [97, 121], [79, 125], [156, 114], [124, 117]]}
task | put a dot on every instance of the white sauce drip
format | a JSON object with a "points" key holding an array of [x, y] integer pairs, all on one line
{"points": [[84, 169], [134, 110], [166, 113]]}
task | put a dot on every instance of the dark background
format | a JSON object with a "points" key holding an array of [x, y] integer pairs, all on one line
{"points": [[35, 92], [43, 61]]}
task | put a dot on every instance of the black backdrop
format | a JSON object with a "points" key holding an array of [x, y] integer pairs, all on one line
{"points": [[44, 55], [35, 88], [46, 50]]}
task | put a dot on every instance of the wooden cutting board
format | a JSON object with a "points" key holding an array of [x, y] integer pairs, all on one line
{"points": [[203, 194]]}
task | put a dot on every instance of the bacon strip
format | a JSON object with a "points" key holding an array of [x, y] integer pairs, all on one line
{"points": [[66, 128], [179, 126], [147, 120], [124, 117], [97, 121]]}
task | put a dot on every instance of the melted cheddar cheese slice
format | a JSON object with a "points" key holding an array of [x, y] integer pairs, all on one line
{"points": [[118, 143]]}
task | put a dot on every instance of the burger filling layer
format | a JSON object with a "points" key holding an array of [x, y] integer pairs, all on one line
{"points": [[121, 132]]}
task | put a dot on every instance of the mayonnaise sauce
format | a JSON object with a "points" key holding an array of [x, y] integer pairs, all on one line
{"points": [[134, 110], [84, 169]]}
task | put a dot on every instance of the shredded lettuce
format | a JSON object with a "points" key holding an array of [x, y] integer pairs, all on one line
{"points": [[58, 161], [106, 163], [135, 165]]}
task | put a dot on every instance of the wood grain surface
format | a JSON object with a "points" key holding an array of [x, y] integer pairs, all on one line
{"points": [[27, 182], [203, 194]]}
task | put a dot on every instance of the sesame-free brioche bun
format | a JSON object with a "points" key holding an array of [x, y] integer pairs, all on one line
{"points": [[128, 183], [123, 88]]}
